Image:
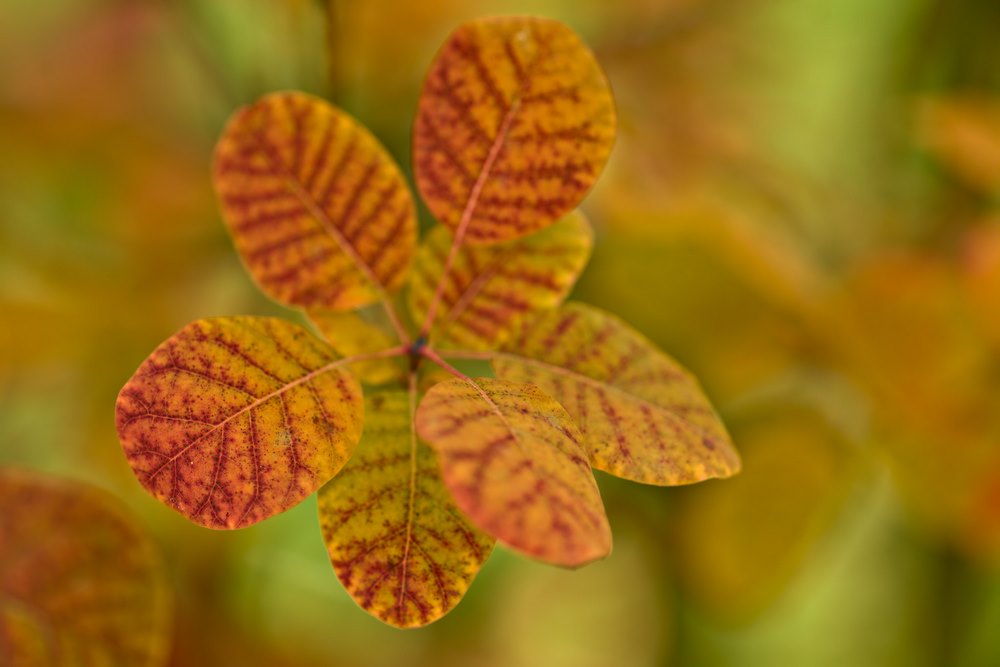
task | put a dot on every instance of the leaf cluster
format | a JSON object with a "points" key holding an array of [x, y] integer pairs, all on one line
{"points": [[420, 468]]}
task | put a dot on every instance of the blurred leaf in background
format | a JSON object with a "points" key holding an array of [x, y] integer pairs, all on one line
{"points": [[79, 583]]}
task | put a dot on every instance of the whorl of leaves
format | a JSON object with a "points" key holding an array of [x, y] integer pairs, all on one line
{"points": [[233, 420]]}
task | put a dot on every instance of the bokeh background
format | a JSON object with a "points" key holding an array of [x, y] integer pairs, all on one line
{"points": [[803, 207]]}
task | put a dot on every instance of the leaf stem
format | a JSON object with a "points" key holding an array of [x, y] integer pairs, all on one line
{"points": [[433, 356], [470, 354], [394, 320], [398, 351], [470, 207]]}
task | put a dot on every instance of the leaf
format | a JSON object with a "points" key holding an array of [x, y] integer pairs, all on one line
{"points": [[932, 396], [236, 419], [964, 133], [710, 269], [79, 584], [514, 125], [643, 417], [630, 625], [511, 457], [489, 286], [980, 274], [398, 543], [319, 212], [738, 545], [351, 334]]}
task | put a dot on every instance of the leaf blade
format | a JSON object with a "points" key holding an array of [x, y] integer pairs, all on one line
{"points": [[490, 286], [530, 123], [319, 211], [77, 578], [510, 456], [419, 535], [233, 420], [643, 417]]}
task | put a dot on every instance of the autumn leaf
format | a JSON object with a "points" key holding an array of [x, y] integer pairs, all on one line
{"points": [[233, 420], [642, 416], [396, 539], [350, 334], [737, 544], [932, 396], [511, 457], [964, 133], [980, 274], [319, 212], [79, 584], [514, 125], [488, 287]]}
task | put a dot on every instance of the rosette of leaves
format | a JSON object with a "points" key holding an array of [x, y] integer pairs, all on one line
{"points": [[420, 468]]}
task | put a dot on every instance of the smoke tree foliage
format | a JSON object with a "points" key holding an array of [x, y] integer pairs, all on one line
{"points": [[419, 467], [80, 584]]}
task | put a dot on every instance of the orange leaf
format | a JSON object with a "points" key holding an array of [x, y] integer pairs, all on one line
{"points": [[643, 417], [510, 455], [964, 133], [78, 583], [398, 543], [980, 274], [318, 210], [236, 419], [489, 286], [514, 125]]}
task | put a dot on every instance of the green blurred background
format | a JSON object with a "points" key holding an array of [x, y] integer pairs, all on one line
{"points": [[803, 207]]}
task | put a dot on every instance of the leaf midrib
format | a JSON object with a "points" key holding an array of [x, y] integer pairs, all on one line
{"points": [[249, 407], [319, 215]]}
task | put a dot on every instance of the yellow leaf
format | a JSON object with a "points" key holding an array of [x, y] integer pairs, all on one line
{"points": [[643, 417], [398, 543], [514, 125], [79, 584], [319, 212], [349, 334], [489, 286], [511, 457], [236, 419]]}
